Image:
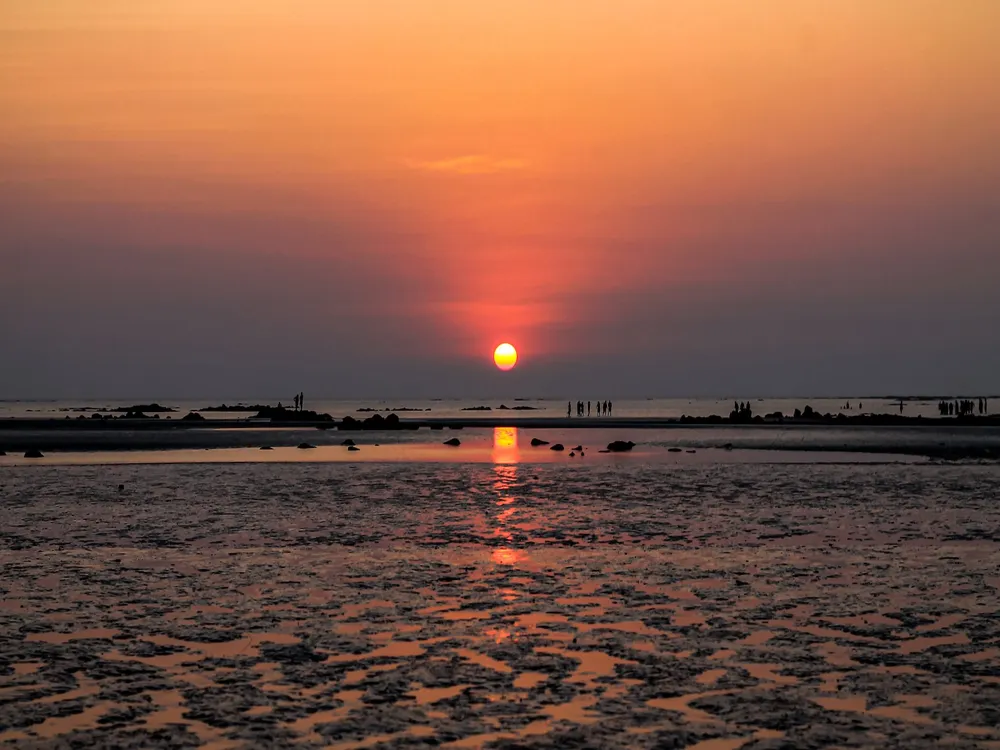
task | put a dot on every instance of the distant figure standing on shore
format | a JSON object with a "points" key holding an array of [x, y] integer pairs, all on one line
{"points": [[588, 408], [296, 401], [569, 409]]}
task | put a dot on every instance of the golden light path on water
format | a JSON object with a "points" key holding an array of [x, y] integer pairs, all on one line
{"points": [[506, 456]]}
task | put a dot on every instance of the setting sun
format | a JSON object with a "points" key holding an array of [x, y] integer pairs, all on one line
{"points": [[505, 357]]}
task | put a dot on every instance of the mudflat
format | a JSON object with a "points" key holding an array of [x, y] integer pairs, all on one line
{"points": [[709, 606]]}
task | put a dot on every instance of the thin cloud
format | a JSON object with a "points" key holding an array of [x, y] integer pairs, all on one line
{"points": [[472, 164]]}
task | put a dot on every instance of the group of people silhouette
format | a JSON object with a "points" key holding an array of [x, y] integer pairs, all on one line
{"points": [[299, 401], [966, 407], [604, 408]]}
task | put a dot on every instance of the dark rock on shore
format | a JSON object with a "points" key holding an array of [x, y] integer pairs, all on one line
{"points": [[673, 450], [192, 416], [579, 448], [3, 453], [33, 453], [558, 447], [241, 407], [455, 442], [620, 446], [266, 448], [348, 442], [306, 446], [281, 414], [152, 408], [535, 442], [477, 408], [376, 422], [353, 448]]}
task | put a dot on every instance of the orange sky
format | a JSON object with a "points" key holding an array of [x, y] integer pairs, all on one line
{"points": [[522, 164]]}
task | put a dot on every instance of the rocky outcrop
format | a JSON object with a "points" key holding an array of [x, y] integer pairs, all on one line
{"points": [[192, 416], [33, 453], [620, 446], [281, 414], [535, 442], [376, 422], [454, 442], [558, 447], [151, 408], [306, 446]]}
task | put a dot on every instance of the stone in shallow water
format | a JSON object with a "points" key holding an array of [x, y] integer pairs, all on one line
{"points": [[454, 442]]}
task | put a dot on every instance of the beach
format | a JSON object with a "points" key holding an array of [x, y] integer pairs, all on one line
{"points": [[631, 603]]}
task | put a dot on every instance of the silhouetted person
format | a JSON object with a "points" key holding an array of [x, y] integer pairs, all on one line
{"points": [[588, 408], [296, 402], [611, 406], [302, 401], [569, 409]]}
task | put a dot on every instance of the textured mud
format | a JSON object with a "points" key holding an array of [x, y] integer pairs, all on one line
{"points": [[707, 607]]}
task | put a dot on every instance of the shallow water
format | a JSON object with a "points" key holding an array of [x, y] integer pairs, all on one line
{"points": [[623, 604]]}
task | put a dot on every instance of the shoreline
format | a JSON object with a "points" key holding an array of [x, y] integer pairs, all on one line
{"points": [[493, 421]]}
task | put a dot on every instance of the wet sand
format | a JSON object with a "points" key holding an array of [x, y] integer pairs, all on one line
{"points": [[706, 606]]}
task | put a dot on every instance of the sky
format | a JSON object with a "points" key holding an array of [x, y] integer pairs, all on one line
{"points": [[645, 197]]}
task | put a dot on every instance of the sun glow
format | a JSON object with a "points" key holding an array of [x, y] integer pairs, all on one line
{"points": [[505, 357]]}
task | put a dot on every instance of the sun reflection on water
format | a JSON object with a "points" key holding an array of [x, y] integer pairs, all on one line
{"points": [[505, 457], [505, 447]]}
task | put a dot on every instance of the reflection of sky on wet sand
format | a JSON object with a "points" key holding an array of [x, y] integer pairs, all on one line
{"points": [[505, 451], [458, 604]]}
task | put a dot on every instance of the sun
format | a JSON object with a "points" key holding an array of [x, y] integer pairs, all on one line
{"points": [[505, 357]]}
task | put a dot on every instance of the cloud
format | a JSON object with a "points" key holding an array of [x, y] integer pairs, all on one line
{"points": [[471, 164]]}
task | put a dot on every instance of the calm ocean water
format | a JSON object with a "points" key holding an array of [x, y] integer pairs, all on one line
{"points": [[659, 407]]}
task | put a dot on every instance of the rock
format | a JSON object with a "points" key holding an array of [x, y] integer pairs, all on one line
{"points": [[306, 446], [193, 416], [535, 442], [353, 448], [281, 414], [620, 446], [727, 447], [692, 451], [3, 453], [673, 450], [348, 442], [477, 408], [33, 453], [604, 451], [154, 407], [572, 454], [266, 448], [504, 407], [454, 442], [578, 448], [558, 447]]}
